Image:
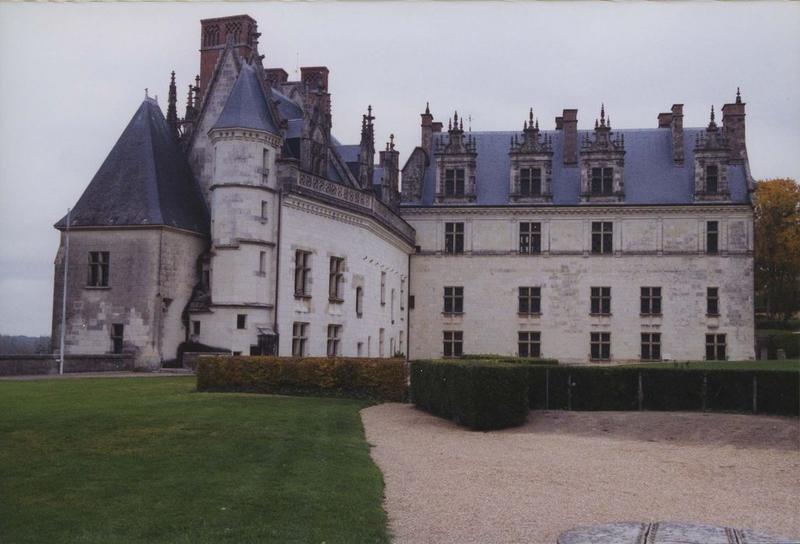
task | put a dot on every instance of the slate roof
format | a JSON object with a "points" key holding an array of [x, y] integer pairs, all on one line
{"points": [[650, 175], [144, 180], [246, 106], [287, 108]]}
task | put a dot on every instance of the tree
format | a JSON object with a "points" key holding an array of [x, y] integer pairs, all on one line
{"points": [[777, 245]]}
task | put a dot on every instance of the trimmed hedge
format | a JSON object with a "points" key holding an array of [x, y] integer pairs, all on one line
{"points": [[509, 359], [376, 379], [480, 395]]}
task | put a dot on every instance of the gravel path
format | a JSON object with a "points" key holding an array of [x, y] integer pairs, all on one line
{"points": [[564, 469]]}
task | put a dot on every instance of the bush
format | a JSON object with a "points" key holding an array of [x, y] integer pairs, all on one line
{"points": [[672, 390], [729, 391], [509, 359], [477, 394], [595, 388], [788, 341], [789, 324], [778, 393], [377, 379]]}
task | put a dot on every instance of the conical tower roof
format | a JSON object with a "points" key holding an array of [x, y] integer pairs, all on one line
{"points": [[246, 106], [144, 180]]}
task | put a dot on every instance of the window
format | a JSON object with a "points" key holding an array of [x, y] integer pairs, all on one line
{"points": [[195, 328], [262, 262], [453, 300], [98, 268], [529, 344], [530, 182], [454, 237], [335, 277], [712, 301], [391, 308], [712, 179], [400, 342], [600, 346], [241, 321], [402, 294], [453, 343], [454, 182], [601, 301], [265, 165], [602, 237], [383, 288], [117, 334], [530, 238], [334, 340], [530, 300], [299, 339], [380, 342], [359, 301], [651, 346], [264, 210], [302, 272], [651, 301], [715, 347], [359, 349], [602, 181], [712, 237]]}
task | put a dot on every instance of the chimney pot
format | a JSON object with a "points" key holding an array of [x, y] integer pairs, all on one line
{"points": [[569, 119]]}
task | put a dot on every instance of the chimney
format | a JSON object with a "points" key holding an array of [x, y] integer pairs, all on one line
{"points": [[569, 121], [390, 161], [242, 30], [427, 129], [676, 125], [733, 129], [664, 120], [559, 123], [276, 76], [316, 77]]}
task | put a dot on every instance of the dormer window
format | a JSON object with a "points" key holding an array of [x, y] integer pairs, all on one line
{"points": [[602, 181], [454, 182], [712, 179], [530, 182]]}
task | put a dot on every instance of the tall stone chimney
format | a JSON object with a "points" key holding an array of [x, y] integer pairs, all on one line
{"points": [[676, 126], [733, 129], [276, 76], [427, 129], [569, 122], [242, 30], [664, 120], [316, 77], [390, 161]]}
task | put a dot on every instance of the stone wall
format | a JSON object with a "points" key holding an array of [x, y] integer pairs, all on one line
{"points": [[20, 365]]}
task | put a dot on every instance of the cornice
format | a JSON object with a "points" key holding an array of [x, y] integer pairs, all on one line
{"points": [[576, 210]]}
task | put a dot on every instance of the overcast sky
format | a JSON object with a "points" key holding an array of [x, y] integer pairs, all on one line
{"points": [[72, 75]]}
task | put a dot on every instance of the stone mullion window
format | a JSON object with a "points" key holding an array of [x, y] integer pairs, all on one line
{"points": [[712, 237], [600, 346], [359, 301], [302, 273], [602, 237], [454, 238], [530, 182], [335, 279], [453, 300], [453, 343], [651, 301], [530, 238], [602, 181], [712, 301], [530, 301], [299, 339], [454, 182], [600, 301], [715, 347], [334, 340], [529, 344], [651, 346], [98, 269], [117, 336]]}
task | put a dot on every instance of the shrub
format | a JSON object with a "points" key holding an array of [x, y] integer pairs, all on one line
{"points": [[789, 324], [729, 391], [778, 393], [477, 394], [509, 359], [597, 388], [378, 379], [668, 390]]}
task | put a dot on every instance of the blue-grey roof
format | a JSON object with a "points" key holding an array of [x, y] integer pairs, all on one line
{"points": [[287, 108], [145, 180], [246, 106], [650, 175]]}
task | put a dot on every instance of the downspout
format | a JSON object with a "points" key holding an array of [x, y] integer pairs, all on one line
{"points": [[277, 273]]}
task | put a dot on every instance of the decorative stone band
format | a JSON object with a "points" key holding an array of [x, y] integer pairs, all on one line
{"points": [[665, 533], [352, 199]]}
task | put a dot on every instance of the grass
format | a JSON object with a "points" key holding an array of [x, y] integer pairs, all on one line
{"points": [[785, 364], [149, 460]]}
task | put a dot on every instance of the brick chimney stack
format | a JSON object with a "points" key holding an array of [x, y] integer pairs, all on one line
{"points": [[733, 128], [276, 76], [664, 120], [242, 30], [426, 141], [676, 125], [316, 77], [569, 122]]}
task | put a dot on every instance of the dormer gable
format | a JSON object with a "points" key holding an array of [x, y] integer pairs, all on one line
{"points": [[531, 172], [711, 156], [602, 162], [456, 164]]}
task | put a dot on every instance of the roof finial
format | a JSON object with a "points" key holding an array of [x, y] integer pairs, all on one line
{"points": [[427, 108], [530, 116], [391, 141], [537, 123], [712, 114], [596, 124], [738, 96], [461, 125], [602, 114], [145, 93], [525, 125], [449, 124], [608, 124], [470, 123], [455, 118]]}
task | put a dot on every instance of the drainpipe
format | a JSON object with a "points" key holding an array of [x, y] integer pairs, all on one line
{"points": [[277, 273], [64, 296]]}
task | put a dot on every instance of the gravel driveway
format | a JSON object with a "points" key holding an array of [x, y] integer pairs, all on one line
{"points": [[564, 469]]}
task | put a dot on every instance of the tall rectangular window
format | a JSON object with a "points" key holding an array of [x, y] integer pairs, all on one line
{"points": [[651, 346], [650, 301], [383, 288], [117, 335], [453, 343], [241, 321], [264, 165], [712, 179], [600, 344], [529, 344], [530, 238], [602, 181], [715, 347], [299, 339], [602, 237], [712, 237], [402, 294], [601, 301], [391, 307], [381, 335], [712, 301], [98, 269], [454, 182], [196, 328], [334, 340], [302, 273], [264, 210], [530, 181], [359, 301], [335, 279], [453, 300], [530, 300], [454, 237], [262, 262]]}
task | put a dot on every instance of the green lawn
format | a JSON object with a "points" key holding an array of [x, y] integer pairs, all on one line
{"points": [[786, 364], [151, 460]]}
